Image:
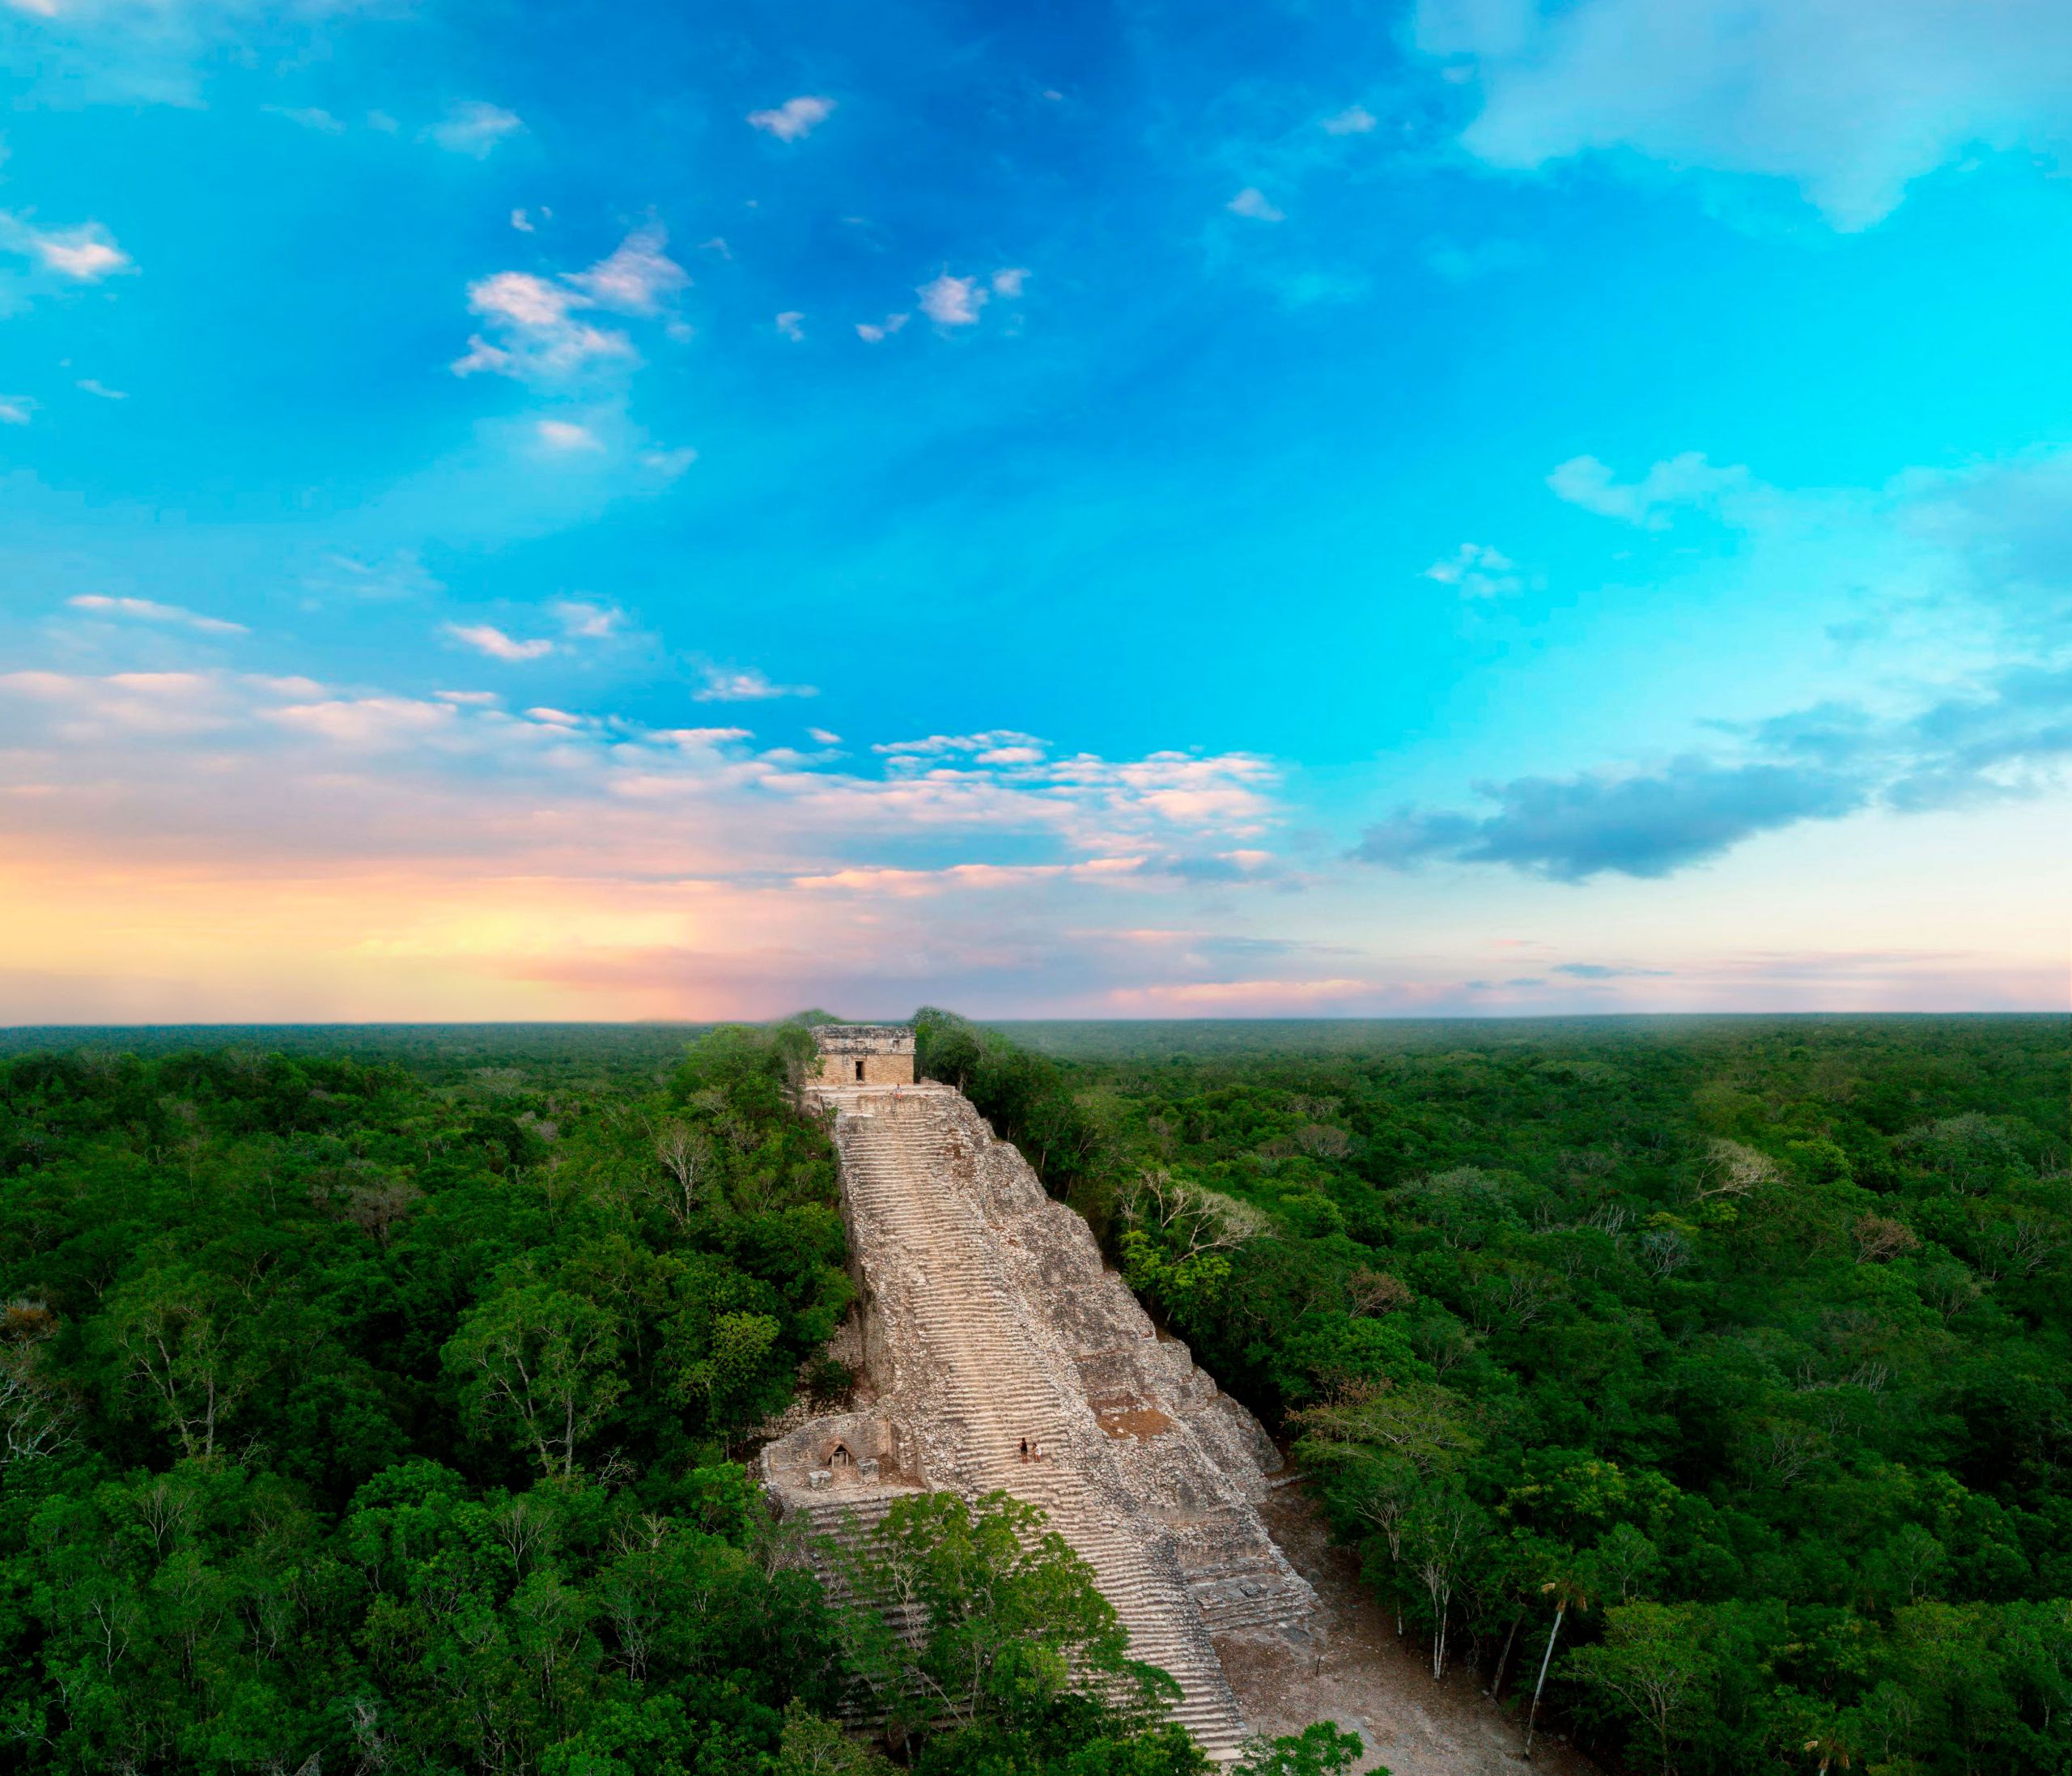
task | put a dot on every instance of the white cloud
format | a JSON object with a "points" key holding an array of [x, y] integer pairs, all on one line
{"points": [[1685, 480], [942, 746], [431, 833], [636, 277], [700, 737], [1253, 203], [1353, 121], [366, 721], [157, 705], [15, 409], [94, 386], [309, 116], [823, 736], [542, 336], [1242, 996], [565, 435], [726, 684], [521, 222], [592, 621], [952, 302], [1477, 571], [150, 610], [538, 323], [1008, 281], [86, 253], [788, 324], [668, 463], [524, 300], [794, 119], [871, 333], [468, 698], [1851, 101], [485, 637], [475, 127], [400, 575], [481, 356]]}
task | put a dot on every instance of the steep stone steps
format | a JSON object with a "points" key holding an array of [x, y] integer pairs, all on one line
{"points": [[993, 1385]]}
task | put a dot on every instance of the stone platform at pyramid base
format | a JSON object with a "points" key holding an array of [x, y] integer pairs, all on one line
{"points": [[996, 1354]]}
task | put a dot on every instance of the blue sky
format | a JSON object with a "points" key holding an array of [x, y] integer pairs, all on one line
{"points": [[1107, 509]]}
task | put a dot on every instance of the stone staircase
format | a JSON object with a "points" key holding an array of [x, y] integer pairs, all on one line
{"points": [[990, 1384]]}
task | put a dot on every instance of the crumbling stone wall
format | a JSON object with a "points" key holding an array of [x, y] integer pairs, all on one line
{"points": [[865, 1055]]}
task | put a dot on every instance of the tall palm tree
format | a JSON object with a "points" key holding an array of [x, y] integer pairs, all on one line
{"points": [[1568, 1593]]}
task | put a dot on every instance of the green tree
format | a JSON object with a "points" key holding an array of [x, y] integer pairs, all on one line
{"points": [[1653, 1665], [1319, 1749], [1003, 1625], [814, 1747], [536, 1364]]}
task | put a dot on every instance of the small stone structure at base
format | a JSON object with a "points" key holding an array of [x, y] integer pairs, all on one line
{"points": [[999, 1353], [865, 1055]]}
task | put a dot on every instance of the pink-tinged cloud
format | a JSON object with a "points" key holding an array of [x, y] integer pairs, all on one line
{"points": [[122, 704], [85, 254], [1240, 998], [536, 326], [150, 610], [795, 119], [934, 744], [908, 882], [209, 843], [700, 737], [246, 781], [475, 128], [368, 721], [565, 435], [589, 621], [728, 685], [637, 278], [952, 301], [487, 639]]}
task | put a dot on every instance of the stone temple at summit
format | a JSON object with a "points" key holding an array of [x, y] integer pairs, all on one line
{"points": [[865, 1055]]}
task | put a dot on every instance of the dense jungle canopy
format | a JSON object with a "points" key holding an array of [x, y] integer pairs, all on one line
{"points": [[377, 1399]]}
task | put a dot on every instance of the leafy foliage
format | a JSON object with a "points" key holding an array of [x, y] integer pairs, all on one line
{"points": [[380, 1418], [1740, 1344], [1319, 1750], [352, 1417], [1010, 1659]]}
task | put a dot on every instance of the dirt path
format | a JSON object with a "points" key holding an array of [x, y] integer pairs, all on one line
{"points": [[1352, 1667]]}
